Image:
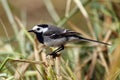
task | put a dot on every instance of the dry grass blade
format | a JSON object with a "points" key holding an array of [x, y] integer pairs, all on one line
{"points": [[57, 68], [5, 29], [37, 58], [21, 69], [23, 28], [103, 60], [78, 29], [12, 22], [28, 61], [80, 6], [115, 64], [51, 10], [68, 3], [92, 67], [77, 63], [84, 12], [9, 15]]}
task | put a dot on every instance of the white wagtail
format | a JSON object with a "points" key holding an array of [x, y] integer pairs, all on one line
{"points": [[53, 36]]}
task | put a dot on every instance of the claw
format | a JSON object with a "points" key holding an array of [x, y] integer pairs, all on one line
{"points": [[54, 55]]}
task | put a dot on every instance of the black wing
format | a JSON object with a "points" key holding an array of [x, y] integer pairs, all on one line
{"points": [[65, 33]]}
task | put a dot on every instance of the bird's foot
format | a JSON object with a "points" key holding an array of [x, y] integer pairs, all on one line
{"points": [[53, 55]]}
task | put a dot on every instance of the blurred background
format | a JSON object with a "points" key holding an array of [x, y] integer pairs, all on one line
{"points": [[23, 58]]}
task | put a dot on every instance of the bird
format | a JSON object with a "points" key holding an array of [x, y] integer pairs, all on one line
{"points": [[53, 36]]}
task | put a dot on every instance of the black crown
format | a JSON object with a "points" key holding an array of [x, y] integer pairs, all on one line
{"points": [[43, 25]]}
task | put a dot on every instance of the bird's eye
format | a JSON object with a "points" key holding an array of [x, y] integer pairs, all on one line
{"points": [[38, 29]]}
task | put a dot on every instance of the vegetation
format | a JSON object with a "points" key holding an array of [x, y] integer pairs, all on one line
{"points": [[23, 58]]}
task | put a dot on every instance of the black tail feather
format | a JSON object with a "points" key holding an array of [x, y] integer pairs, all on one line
{"points": [[85, 39]]}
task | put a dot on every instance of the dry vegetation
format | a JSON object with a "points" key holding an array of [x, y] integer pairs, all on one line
{"points": [[23, 58]]}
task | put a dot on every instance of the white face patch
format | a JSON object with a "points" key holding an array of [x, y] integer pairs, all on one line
{"points": [[39, 29], [44, 29]]}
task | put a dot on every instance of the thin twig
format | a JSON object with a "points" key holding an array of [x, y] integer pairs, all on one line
{"points": [[28, 61]]}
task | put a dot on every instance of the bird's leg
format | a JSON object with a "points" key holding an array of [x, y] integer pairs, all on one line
{"points": [[55, 54]]}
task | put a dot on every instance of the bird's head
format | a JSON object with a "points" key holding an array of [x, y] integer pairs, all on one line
{"points": [[39, 28]]}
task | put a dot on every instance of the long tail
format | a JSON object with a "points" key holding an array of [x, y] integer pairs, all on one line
{"points": [[85, 39]]}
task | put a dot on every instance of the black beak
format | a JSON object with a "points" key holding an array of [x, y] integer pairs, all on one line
{"points": [[31, 31]]}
